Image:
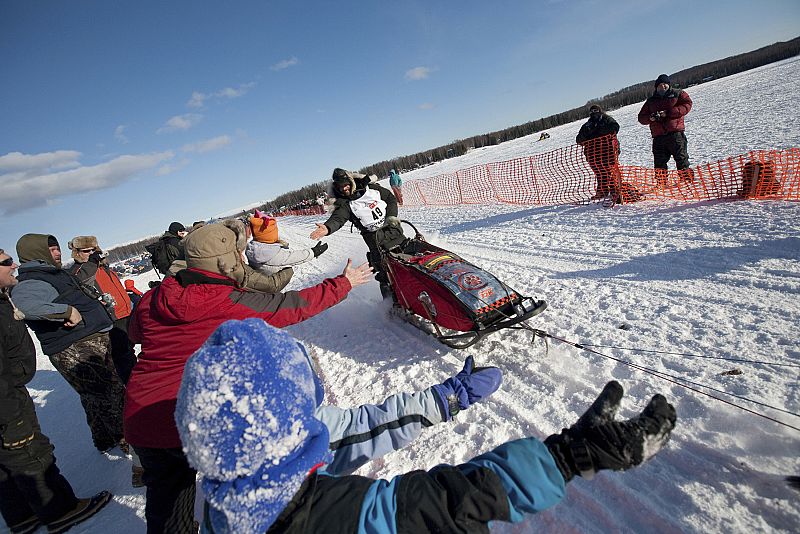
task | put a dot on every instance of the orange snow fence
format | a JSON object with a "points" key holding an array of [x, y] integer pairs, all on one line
{"points": [[579, 173]]}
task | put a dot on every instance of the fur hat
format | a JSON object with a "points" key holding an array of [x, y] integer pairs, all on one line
{"points": [[213, 248], [245, 414], [264, 227], [82, 241], [663, 78]]}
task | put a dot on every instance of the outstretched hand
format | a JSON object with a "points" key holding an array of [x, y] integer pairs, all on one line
{"points": [[357, 275], [598, 442], [321, 231]]}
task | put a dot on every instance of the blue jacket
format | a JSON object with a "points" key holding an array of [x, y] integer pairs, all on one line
{"points": [[394, 179], [515, 478]]}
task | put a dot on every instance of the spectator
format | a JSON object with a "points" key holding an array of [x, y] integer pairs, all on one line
{"points": [[598, 137], [134, 294], [373, 210], [33, 492], [397, 185], [196, 225], [268, 254], [664, 112], [170, 323], [91, 267], [168, 248], [263, 458], [72, 325]]}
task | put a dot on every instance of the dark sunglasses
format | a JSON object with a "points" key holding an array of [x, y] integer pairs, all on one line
{"points": [[8, 262], [86, 250]]}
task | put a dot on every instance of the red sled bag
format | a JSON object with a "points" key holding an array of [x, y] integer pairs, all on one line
{"points": [[438, 290]]}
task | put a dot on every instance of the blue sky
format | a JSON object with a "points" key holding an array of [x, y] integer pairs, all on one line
{"points": [[120, 117]]}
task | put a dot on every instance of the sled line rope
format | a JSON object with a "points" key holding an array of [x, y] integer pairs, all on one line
{"points": [[738, 360], [679, 381]]}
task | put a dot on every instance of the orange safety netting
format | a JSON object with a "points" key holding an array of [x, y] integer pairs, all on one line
{"points": [[579, 173]]}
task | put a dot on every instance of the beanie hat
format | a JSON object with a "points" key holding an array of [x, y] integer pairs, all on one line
{"points": [[213, 248], [52, 241], [264, 227], [176, 227], [245, 414], [663, 78]]}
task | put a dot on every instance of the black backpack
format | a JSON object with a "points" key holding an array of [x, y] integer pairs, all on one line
{"points": [[159, 256]]}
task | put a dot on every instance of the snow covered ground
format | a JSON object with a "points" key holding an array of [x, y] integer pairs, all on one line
{"points": [[707, 280]]}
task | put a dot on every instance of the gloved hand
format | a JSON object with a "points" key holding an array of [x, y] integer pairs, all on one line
{"points": [[391, 220], [598, 442], [466, 388], [17, 435], [319, 248]]}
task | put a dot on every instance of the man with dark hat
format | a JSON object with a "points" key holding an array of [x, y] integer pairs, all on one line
{"points": [[598, 137], [664, 112], [168, 248], [33, 492], [72, 323], [372, 209]]}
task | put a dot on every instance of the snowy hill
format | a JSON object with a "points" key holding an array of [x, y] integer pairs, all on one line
{"points": [[697, 284]]}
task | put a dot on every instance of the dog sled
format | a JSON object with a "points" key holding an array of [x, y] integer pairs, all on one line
{"points": [[449, 297]]}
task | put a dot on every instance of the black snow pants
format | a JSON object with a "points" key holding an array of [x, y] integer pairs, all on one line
{"points": [[669, 145], [170, 482], [30, 482]]}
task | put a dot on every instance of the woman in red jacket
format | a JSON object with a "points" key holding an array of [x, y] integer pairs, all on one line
{"points": [[171, 322]]}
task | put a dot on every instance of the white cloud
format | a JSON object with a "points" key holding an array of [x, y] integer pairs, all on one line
{"points": [[208, 145], [60, 159], [119, 134], [180, 122], [426, 105], [169, 168], [285, 64], [32, 180], [418, 73], [197, 100], [235, 92]]}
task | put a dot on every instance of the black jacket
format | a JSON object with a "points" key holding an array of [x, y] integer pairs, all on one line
{"points": [[17, 367], [341, 208], [591, 129]]}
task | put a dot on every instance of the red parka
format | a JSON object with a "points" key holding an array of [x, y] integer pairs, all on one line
{"points": [[174, 319], [676, 103]]}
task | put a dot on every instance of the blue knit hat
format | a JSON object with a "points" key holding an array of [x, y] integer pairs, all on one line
{"points": [[245, 414]]}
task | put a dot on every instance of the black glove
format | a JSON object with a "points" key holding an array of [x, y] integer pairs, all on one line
{"points": [[17, 435], [598, 442], [96, 257], [319, 248]]}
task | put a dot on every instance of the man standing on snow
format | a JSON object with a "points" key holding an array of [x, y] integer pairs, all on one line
{"points": [[664, 112], [598, 137], [33, 492]]}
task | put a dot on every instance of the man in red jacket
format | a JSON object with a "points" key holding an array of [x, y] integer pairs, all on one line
{"points": [[664, 112], [171, 322]]}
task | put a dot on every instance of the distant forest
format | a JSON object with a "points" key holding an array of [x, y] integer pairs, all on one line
{"points": [[626, 96]]}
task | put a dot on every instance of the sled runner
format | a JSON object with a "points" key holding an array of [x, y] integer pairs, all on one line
{"points": [[450, 298]]}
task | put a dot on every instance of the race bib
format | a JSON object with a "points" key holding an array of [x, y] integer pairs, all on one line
{"points": [[369, 209]]}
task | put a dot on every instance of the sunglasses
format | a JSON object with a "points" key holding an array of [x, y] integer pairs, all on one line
{"points": [[8, 262], [86, 250]]}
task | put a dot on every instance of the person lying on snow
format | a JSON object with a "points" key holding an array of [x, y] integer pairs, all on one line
{"points": [[251, 422]]}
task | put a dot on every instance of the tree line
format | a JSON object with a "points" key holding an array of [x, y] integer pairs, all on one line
{"points": [[623, 97]]}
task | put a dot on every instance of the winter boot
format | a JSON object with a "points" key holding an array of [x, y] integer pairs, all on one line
{"points": [[85, 509], [28, 526]]}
